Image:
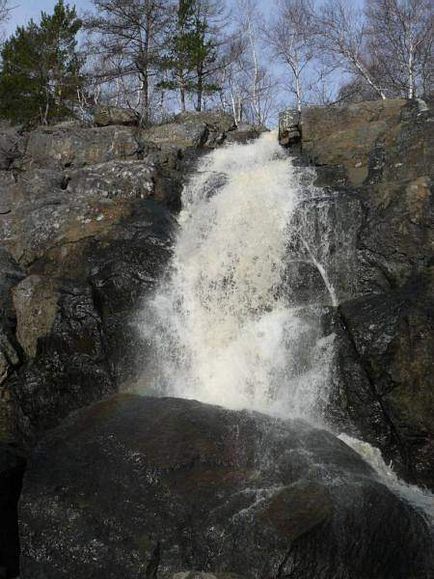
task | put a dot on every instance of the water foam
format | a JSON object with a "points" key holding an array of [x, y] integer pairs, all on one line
{"points": [[422, 499]]}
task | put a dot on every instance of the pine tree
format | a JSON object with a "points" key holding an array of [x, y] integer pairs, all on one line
{"points": [[41, 68], [192, 54]]}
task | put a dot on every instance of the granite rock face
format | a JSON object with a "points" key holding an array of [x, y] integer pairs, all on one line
{"points": [[154, 487], [86, 229], [373, 227]]}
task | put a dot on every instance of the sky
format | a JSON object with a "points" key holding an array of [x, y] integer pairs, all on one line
{"points": [[26, 9]]}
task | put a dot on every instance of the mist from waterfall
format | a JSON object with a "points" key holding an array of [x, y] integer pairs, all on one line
{"points": [[221, 327]]}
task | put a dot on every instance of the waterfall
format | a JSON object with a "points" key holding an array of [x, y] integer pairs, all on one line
{"points": [[220, 327], [422, 499]]}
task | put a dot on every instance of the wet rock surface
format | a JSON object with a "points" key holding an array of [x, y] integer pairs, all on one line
{"points": [[374, 234], [86, 228], [142, 487], [12, 465]]}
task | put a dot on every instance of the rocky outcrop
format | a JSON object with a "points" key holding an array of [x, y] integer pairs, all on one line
{"points": [[374, 235], [87, 221], [142, 487], [109, 115], [86, 227]]}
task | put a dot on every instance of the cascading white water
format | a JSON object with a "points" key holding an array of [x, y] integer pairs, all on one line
{"points": [[220, 327], [422, 499]]}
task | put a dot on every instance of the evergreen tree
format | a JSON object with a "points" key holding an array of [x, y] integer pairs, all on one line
{"points": [[41, 68], [192, 56]]}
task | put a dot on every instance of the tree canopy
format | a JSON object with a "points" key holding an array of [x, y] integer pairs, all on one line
{"points": [[41, 66]]}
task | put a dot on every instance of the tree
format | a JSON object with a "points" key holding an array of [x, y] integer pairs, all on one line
{"points": [[290, 36], [400, 36], [4, 12], [41, 68], [129, 36], [248, 84], [193, 56], [341, 34]]}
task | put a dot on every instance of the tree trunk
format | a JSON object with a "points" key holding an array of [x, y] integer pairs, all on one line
{"points": [[362, 70], [145, 91], [199, 88], [298, 92], [182, 96], [411, 91]]}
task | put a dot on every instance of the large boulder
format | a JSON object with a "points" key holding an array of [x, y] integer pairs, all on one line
{"points": [[345, 136], [155, 487], [205, 129]]}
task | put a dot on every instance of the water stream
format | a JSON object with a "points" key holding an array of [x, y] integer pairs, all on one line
{"points": [[221, 328]]}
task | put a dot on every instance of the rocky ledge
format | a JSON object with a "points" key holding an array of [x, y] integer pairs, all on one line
{"points": [[372, 227], [155, 487]]}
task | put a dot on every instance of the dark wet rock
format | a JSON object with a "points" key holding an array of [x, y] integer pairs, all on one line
{"points": [[314, 242], [141, 487], [70, 367], [392, 336], [87, 222], [381, 151], [10, 355], [374, 237], [12, 464]]}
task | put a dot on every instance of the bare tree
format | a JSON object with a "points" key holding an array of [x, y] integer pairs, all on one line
{"points": [[290, 35], [342, 36], [401, 38], [128, 36], [5, 11], [249, 87]]}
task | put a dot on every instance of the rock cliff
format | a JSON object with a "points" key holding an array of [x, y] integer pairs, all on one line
{"points": [[374, 230], [86, 225]]}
